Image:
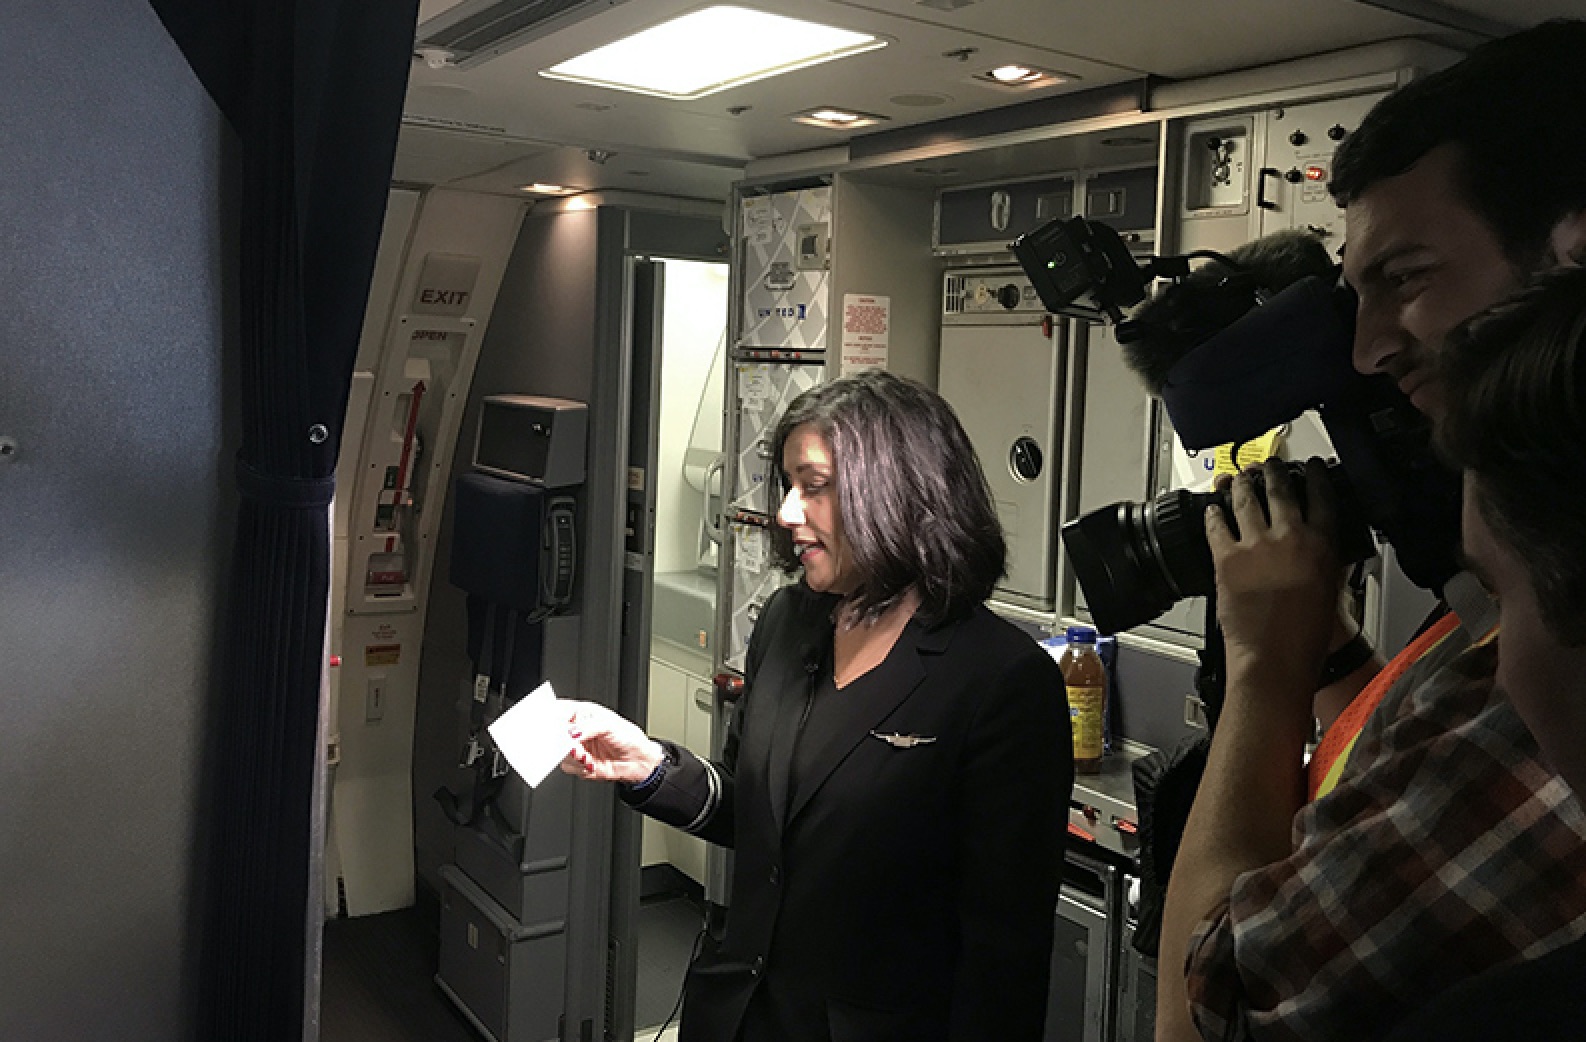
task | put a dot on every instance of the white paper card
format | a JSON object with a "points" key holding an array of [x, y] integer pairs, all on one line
{"points": [[535, 735]]}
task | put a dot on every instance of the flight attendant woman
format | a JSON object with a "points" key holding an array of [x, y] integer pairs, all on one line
{"points": [[895, 786]]}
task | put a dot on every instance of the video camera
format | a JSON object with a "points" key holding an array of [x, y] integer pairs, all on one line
{"points": [[1232, 357]]}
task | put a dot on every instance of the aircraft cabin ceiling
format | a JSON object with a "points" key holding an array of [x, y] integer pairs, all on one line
{"points": [[491, 122]]}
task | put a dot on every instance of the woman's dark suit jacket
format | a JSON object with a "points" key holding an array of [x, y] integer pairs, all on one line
{"points": [[912, 885]]}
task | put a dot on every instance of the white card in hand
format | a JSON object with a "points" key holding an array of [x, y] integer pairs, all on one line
{"points": [[535, 735]]}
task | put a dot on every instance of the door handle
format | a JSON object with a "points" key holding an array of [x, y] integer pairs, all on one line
{"points": [[1261, 187], [711, 518]]}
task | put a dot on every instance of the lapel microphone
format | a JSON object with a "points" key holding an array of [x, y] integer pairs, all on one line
{"points": [[811, 656]]}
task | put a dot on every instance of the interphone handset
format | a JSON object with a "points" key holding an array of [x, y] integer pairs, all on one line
{"points": [[558, 554]]}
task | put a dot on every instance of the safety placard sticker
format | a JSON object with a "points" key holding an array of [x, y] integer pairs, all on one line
{"points": [[754, 386], [750, 553], [867, 324], [758, 217], [381, 654]]}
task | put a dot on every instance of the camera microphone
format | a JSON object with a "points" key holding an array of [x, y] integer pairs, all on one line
{"points": [[1170, 326]]}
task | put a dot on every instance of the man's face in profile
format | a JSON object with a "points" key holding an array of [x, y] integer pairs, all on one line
{"points": [[1422, 262], [1540, 674]]}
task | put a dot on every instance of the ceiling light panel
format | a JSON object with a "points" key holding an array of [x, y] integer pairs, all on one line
{"points": [[836, 118], [711, 50], [1013, 74], [1022, 77]]}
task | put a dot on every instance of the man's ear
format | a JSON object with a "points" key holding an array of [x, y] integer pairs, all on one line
{"points": [[1569, 239]]}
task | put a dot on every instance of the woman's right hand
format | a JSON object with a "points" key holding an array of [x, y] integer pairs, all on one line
{"points": [[609, 747]]}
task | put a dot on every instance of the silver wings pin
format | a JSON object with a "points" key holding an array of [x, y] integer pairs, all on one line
{"points": [[904, 741]]}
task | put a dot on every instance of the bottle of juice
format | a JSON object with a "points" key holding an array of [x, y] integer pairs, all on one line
{"points": [[1086, 680]]}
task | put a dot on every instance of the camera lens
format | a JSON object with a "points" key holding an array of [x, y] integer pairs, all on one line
{"points": [[1134, 561]]}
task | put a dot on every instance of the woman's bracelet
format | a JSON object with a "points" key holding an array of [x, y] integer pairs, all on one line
{"points": [[654, 780]]}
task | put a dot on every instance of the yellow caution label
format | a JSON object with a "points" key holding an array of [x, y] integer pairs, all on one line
{"points": [[1251, 453]]}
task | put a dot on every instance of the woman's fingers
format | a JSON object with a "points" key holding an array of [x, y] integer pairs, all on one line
{"points": [[581, 762]]}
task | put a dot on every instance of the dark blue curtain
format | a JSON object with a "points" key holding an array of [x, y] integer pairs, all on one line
{"points": [[313, 89]]}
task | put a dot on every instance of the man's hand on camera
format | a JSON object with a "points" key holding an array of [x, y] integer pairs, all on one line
{"points": [[1278, 581]]}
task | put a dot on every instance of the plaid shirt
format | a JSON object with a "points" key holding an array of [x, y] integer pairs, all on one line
{"points": [[1446, 849]]}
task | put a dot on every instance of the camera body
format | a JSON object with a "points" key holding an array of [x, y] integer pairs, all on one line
{"points": [[1136, 560], [1254, 356]]}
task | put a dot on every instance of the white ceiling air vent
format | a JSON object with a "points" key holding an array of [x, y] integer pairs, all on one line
{"points": [[475, 31]]}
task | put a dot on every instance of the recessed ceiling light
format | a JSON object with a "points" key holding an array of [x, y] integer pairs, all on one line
{"points": [[704, 52], [1022, 77], [544, 189], [842, 119], [1014, 74]]}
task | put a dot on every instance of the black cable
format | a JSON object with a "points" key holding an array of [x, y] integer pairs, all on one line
{"points": [[693, 953]]}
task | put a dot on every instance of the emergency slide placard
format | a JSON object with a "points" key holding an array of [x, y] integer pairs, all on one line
{"points": [[867, 322]]}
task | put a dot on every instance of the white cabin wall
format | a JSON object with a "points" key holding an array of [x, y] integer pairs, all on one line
{"points": [[118, 383], [881, 246], [371, 833], [694, 318]]}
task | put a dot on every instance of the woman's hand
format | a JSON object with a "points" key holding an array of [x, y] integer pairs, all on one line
{"points": [[609, 747], [1278, 582]]}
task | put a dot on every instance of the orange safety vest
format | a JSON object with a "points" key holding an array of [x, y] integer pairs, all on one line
{"points": [[1327, 763]]}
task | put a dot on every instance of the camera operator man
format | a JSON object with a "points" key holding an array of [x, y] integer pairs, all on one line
{"points": [[1445, 847]]}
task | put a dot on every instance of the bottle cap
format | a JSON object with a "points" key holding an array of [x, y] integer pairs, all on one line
{"points": [[1081, 635]]}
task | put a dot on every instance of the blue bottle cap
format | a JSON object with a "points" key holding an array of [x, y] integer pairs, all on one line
{"points": [[1081, 635]]}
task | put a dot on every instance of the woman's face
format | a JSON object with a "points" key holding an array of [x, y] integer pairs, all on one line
{"points": [[1541, 676], [809, 512]]}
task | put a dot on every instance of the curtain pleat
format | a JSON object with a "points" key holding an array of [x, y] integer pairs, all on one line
{"points": [[313, 89]]}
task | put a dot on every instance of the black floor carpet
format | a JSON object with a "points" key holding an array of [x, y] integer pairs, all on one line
{"points": [[667, 928], [379, 973], [379, 981]]}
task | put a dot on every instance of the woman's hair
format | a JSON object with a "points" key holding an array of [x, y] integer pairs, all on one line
{"points": [[1515, 381], [915, 508]]}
